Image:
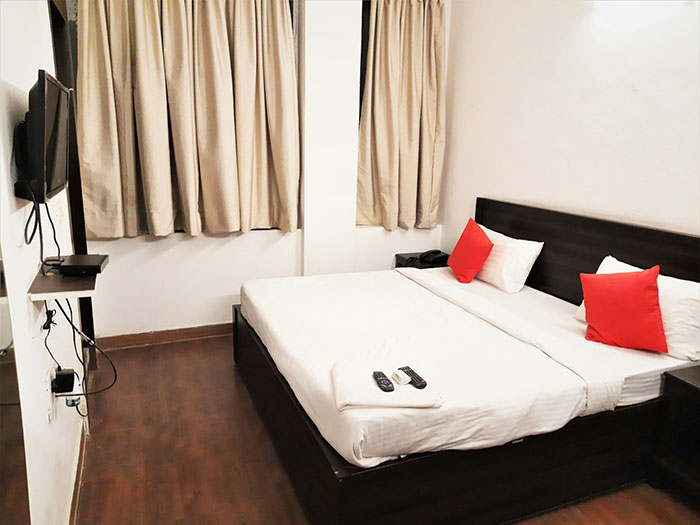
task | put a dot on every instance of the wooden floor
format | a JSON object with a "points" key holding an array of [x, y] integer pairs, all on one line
{"points": [[14, 498], [177, 441]]}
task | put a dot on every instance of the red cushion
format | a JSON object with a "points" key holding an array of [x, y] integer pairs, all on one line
{"points": [[471, 252], [622, 309]]}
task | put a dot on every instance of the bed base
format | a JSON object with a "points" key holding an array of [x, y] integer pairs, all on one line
{"points": [[590, 455]]}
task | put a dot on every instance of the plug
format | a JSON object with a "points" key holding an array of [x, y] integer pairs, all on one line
{"points": [[63, 382]]}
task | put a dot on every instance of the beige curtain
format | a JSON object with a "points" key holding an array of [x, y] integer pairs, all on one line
{"points": [[403, 113], [187, 116]]}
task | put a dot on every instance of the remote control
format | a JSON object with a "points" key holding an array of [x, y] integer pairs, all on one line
{"points": [[383, 381], [416, 380]]}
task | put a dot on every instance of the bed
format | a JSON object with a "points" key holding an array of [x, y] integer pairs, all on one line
{"points": [[584, 430]]}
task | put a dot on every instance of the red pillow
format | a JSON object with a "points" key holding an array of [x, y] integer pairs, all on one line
{"points": [[622, 309], [471, 252]]}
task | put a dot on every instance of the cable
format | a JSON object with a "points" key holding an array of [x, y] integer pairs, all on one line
{"points": [[28, 238], [34, 220], [90, 342], [36, 215], [77, 355], [47, 326], [53, 261], [75, 346]]}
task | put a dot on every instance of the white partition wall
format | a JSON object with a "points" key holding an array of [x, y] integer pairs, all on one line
{"points": [[52, 431]]}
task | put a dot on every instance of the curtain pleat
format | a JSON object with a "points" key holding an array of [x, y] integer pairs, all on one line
{"points": [[193, 121], [377, 197], [120, 57], [178, 54], [279, 74], [216, 130], [432, 125], [151, 115], [251, 132], [401, 138], [409, 111], [97, 121]]}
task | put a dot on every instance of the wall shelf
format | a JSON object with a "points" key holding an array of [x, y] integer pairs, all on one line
{"points": [[57, 286]]}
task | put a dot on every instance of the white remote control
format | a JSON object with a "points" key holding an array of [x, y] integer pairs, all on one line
{"points": [[401, 377]]}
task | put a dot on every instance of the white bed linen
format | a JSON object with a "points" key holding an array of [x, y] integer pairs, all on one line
{"points": [[495, 388], [615, 376], [471, 340]]}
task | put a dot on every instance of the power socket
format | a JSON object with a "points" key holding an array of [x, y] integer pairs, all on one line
{"points": [[50, 398], [73, 401]]}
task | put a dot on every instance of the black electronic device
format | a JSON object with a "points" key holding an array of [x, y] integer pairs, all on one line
{"points": [[41, 141], [436, 257], [416, 380], [64, 381], [383, 381], [82, 265]]}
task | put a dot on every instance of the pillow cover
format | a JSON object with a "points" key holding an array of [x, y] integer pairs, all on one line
{"points": [[623, 309], [680, 309], [470, 253], [510, 261]]}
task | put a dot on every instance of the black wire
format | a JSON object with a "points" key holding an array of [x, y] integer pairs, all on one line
{"points": [[75, 346], [48, 333], [36, 215], [91, 343], [32, 214], [77, 355], [57, 259]]}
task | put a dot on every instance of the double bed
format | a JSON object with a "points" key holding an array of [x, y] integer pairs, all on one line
{"points": [[533, 415]]}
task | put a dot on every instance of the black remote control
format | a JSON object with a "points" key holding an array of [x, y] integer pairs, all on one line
{"points": [[383, 381], [416, 380]]}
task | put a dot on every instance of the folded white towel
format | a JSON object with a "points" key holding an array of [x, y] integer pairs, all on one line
{"points": [[355, 387]]}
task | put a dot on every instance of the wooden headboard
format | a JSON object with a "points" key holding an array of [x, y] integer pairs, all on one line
{"points": [[575, 244]]}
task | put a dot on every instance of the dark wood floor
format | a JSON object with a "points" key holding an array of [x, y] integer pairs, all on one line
{"points": [[177, 440], [14, 499]]}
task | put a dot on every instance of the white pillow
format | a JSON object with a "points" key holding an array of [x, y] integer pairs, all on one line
{"points": [[509, 262], [679, 302]]}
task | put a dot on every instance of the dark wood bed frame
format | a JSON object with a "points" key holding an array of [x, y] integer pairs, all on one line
{"points": [[590, 455]]}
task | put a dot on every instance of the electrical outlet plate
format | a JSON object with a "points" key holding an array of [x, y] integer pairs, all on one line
{"points": [[50, 398]]}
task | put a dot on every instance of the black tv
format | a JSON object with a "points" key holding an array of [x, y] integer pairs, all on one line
{"points": [[41, 141]]}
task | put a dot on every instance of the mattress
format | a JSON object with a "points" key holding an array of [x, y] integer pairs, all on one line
{"points": [[506, 366]]}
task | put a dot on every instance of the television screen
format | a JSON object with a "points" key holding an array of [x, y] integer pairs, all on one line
{"points": [[42, 141], [55, 137]]}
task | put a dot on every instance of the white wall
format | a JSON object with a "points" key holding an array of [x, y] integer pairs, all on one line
{"points": [[182, 281], [51, 446], [581, 106], [159, 284], [332, 39]]}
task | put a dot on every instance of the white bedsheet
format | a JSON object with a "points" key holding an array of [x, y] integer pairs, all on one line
{"points": [[310, 323], [498, 383], [615, 376]]}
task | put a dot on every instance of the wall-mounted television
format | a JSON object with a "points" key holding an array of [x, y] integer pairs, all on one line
{"points": [[41, 141]]}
